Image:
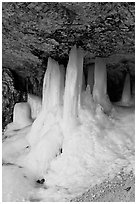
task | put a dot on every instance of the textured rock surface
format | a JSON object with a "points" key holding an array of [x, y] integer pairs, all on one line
{"points": [[10, 96], [34, 31]]}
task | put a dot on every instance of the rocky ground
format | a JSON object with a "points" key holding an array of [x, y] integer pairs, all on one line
{"points": [[120, 189]]}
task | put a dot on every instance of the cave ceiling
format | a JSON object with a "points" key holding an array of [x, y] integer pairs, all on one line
{"points": [[31, 31]]}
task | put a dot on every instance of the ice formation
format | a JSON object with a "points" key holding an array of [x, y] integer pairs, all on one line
{"points": [[72, 144], [21, 118], [90, 80], [126, 95], [127, 99], [100, 85], [35, 105]]}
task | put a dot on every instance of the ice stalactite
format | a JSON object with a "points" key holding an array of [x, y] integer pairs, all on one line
{"points": [[126, 94], [90, 79], [100, 85], [35, 105]]}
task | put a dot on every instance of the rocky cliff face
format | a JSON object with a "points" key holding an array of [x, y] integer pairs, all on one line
{"points": [[10, 96], [34, 31]]}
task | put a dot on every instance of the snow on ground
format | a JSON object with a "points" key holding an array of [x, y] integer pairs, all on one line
{"points": [[97, 148]]}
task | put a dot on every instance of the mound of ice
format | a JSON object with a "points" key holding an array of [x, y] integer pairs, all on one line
{"points": [[72, 144]]}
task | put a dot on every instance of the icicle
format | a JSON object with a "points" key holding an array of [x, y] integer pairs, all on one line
{"points": [[90, 80], [100, 85], [126, 95], [35, 104]]}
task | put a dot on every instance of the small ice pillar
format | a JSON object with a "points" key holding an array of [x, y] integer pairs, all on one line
{"points": [[126, 95], [100, 85], [21, 117], [90, 80], [22, 114], [73, 84]]}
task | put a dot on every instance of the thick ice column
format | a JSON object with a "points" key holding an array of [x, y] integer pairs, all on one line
{"points": [[80, 55], [51, 85], [71, 90], [50, 102], [35, 103], [126, 95], [45, 137], [100, 85], [90, 79]]}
